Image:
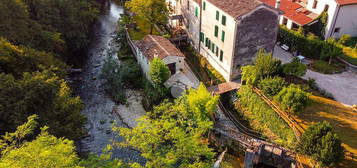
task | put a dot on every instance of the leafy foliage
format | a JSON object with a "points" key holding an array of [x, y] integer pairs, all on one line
{"points": [[257, 111], [271, 85], [44, 94], [45, 151], [153, 11], [159, 72], [16, 60], [329, 50], [172, 134], [295, 68], [61, 27], [265, 65], [322, 144], [292, 98]]}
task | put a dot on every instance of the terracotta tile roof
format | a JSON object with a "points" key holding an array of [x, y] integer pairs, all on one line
{"points": [[156, 46], [346, 2], [236, 8], [293, 11]]}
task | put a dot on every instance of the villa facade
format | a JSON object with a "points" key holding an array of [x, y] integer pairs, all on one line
{"points": [[341, 15], [228, 33]]}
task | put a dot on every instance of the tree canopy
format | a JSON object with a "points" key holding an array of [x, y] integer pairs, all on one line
{"points": [[173, 134], [153, 11], [320, 142]]}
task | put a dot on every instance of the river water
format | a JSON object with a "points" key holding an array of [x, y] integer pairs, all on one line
{"points": [[99, 106]]}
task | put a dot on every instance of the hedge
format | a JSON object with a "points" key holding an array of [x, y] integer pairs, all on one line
{"points": [[312, 48]]}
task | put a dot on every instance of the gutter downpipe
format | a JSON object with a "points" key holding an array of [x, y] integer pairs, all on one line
{"points": [[334, 22]]}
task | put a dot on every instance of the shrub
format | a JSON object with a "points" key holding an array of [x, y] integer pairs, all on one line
{"points": [[261, 113], [266, 65], [294, 68], [271, 85], [249, 75], [292, 98], [330, 51], [159, 72], [131, 74], [322, 144]]}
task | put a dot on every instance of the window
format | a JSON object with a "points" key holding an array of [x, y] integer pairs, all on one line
{"points": [[285, 21], [337, 30], [326, 8], [221, 56], [206, 44], [224, 20], [196, 11], [223, 34], [216, 31], [295, 26], [202, 37], [213, 47], [217, 15], [217, 50], [204, 5], [314, 5]]}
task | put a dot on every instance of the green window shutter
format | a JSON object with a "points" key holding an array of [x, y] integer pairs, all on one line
{"points": [[224, 20], [221, 56], [206, 44], [196, 11], [223, 35], [216, 31], [217, 50], [217, 15], [209, 44], [213, 47], [202, 37], [204, 5]]}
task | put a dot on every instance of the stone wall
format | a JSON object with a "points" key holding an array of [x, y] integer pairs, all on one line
{"points": [[258, 29]]}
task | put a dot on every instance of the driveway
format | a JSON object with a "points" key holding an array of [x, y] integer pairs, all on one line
{"points": [[342, 86]]}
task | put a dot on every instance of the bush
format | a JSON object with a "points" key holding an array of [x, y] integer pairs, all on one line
{"points": [[266, 65], [131, 74], [344, 39], [271, 85], [322, 144], [261, 113], [294, 68], [152, 96], [292, 98]]}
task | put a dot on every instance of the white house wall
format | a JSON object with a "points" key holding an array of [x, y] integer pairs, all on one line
{"points": [[180, 62], [346, 21], [208, 25], [191, 21]]}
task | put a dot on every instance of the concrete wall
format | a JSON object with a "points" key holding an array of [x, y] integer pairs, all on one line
{"points": [[191, 22], [346, 21], [180, 62], [256, 30], [208, 27]]}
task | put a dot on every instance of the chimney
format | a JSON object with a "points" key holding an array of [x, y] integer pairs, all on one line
{"points": [[277, 4]]}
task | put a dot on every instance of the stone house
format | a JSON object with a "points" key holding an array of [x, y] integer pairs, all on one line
{"points": [[151, 47], [341, 15], [228, 33]]}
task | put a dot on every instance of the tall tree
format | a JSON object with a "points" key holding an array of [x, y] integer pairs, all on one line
{"points": [[153, 11], [173, 134]]}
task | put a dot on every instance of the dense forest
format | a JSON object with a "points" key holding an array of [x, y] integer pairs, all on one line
{"points": [[39, 39]]}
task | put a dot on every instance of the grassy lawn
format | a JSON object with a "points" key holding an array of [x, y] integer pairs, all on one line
{"points": [[325, 68], [143, 29], [342, 118]]}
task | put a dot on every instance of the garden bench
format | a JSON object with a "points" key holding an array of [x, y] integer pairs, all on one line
{"points": [[285, 47]]}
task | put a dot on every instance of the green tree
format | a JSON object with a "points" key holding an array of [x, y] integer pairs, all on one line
{"points": [[271, 85], [153, 11], [45, 151], [294, 68], [44, 94], [320, 142], [330, 51], [16, 60], [249, 75], [344, 39], [266, 65], [292, 98], [159, 73], [173, 134]]}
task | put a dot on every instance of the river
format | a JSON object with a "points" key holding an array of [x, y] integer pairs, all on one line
{"points": [[99, 106]]}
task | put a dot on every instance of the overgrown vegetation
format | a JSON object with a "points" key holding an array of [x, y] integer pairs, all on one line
{"points": [[292, 98], [294, 68], [203, 70], [271, 86], [326, 68], [320, 142], [262, 117], [173, 134]]}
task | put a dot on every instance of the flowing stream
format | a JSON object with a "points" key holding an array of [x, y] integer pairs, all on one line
{"points": [[99, 107]]}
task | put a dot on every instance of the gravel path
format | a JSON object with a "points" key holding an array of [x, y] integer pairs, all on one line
{"points": [[342, 86]]}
